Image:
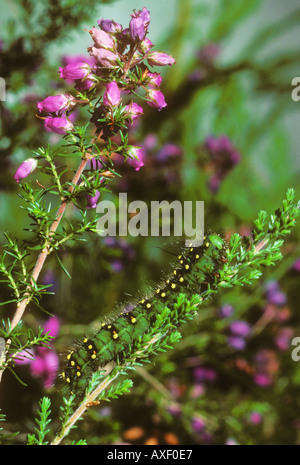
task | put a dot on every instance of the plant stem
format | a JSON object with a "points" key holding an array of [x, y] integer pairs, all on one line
{"points": [[21, 306], [86, 403]]}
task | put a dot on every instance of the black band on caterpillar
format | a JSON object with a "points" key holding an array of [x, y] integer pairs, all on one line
{"points": [[195, 272]]}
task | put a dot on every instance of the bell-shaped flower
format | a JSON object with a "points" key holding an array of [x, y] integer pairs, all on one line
{"points": [[102, 39], [25, 169], [59, 125], [105, 58], [111, 96], [160, 59], [56, 103], [139, 23], [75, 71], [135, 159], [156, 99]]}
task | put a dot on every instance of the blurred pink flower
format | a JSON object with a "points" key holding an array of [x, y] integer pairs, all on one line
{"points": [[43, 361]]}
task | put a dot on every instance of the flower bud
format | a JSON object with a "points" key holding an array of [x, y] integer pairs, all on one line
{"points": [[85, 84], [75, 71], [160, 59], [155, 79], [56, 103], [137, 155], [109, 26], [111, 95], [105, 58], [145, 46], [25, 169], [133, 110], [59, 125], [91, 200], [157, 99], [102, 39], [139, 23]]}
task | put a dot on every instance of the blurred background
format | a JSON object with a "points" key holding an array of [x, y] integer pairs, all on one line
{"points": [[230, 137]]}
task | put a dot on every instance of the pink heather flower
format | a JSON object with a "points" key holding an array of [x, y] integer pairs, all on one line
{"points": [[102, 39], [109, 26], [262, 379], [75, 71], [86, 83], [160, 59], [204, 374], [139, 23], [236, 342], [25, 169], [105, 58], [56, 103], [43, 361], [157, 99], [145, 45], [92, 201], [283, 338], [296, 265], [133, 110], [155, 79], [274, 294], [137, 155], [198, 424], [76, 59], [240, 328], [111, 95], [226, 310], [59, 125], [167, 152], [255, 418]]}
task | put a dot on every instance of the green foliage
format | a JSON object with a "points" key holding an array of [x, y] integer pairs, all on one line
{"points": [[242, 91]]}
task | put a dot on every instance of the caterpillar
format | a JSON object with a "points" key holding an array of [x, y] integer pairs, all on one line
{"points": [[195, 271]]}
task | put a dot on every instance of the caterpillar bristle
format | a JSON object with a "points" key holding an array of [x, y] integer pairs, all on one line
{"points": [[195, 270]]}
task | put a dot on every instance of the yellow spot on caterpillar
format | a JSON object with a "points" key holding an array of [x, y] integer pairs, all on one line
{"points": [[163, 294], [168, 281], [142, 301], [181, 279], [148, 305], [109, 327], [133, 320], [157, 291], [175, 272], [68, 380], [90, 347], [207, 244], [187, 267], [93, 356], [173, 285], [85, 340], [181, 262], [191, 249], [179, 257], [70, 355], [78, 373], [197, 256], [63, 374], [204, 237], [115, 335], [72, 363]]}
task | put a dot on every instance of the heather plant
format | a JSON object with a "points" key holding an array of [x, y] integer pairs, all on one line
{"points": [[97, 124]]}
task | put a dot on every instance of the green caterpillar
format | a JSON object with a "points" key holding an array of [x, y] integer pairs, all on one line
{"points": [[195, 271]]}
